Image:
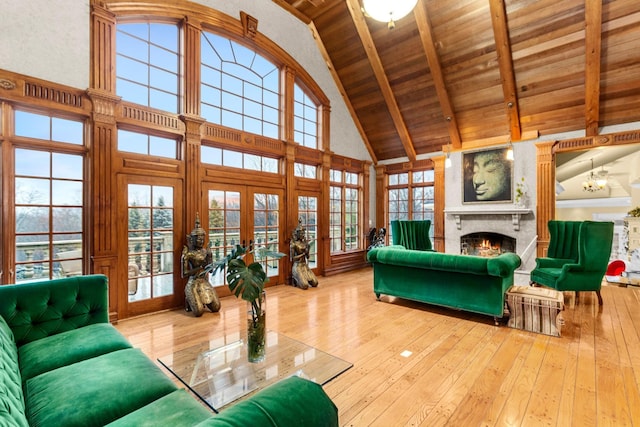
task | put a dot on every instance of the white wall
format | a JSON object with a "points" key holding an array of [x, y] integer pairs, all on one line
{"points": [[50, 40]]}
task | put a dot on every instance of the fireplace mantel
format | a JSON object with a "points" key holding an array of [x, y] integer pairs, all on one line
{"points": [[516, 213]]}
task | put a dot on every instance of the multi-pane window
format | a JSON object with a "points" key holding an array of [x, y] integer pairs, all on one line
{"points": [[240, 89], [237, 159], [48, 201], [305, 118], [150, 240], [147, 64], [305, 171], [410, 196], [308, 216], [141, 143], [266, 229], [344, 210]]}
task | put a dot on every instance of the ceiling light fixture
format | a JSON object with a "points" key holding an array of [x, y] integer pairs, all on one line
{"points": [[388, 11], [595, 182]]}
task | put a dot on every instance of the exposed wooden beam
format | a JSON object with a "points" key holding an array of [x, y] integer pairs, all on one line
{"points": [[343, 92], [426, 37], [593, 43], [381, 77], [292, 10], [507, 76]]}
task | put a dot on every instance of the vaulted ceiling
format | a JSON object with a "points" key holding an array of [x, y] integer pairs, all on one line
{"points": [[480, 72]]}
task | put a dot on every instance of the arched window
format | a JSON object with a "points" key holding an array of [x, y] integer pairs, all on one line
{"points": [[239, 88]]}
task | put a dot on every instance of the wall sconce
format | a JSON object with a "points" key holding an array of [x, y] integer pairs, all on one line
{"points": [[509, 155]]}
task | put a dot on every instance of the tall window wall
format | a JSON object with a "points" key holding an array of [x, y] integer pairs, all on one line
{"points": [[344, 206], [410, 195]]}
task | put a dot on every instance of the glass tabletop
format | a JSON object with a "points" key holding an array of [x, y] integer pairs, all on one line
{"points": [[223, 375]]}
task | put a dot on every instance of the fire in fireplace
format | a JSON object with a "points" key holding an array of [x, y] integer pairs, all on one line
{"points": [[486, 244]]}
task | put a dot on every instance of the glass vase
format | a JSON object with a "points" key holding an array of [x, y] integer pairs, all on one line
{"points": [[256, 329]]}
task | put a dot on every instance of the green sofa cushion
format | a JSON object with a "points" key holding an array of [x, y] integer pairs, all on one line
{"points": [[177, 409], [500, 266], [96, 391], [12, 412], [293, 401], [69, 347], [35, 311]]}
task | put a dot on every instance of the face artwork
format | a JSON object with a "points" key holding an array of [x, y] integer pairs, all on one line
{"points": [[490, 177]]}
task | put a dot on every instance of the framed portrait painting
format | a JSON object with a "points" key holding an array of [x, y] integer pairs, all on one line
{"points": [[486, 176]]}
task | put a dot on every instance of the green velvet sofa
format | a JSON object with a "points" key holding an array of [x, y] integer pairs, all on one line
{"points": [[462, 282], [63, 364]]}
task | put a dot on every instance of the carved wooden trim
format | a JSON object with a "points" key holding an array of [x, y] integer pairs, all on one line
{"points": [[244, 141], [249, 25], [134, 114], [104, 105], [7, 84]]}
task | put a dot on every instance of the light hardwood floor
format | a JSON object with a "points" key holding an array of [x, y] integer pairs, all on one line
{"points": [[462, 371]]}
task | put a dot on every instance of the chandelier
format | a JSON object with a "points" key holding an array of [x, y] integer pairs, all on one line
{"points": [[388, 11], [595, 182]]}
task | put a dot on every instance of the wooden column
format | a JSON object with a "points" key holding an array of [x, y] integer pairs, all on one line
{"points": [[381, 198], [323, 226], [545, 190], [290, 206], [366, 198], [192, 65], [103, 191], [438, 203]]}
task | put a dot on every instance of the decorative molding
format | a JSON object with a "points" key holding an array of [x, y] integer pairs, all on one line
{"points": [[249, 25], [516, 214], [7, 84]]}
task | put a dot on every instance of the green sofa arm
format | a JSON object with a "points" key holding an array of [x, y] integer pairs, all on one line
{"points": [[553, 262], [40, 309], [293, 401]]}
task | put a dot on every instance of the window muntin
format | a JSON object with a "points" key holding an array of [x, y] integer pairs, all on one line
{"points": [[344, 210], [48, 208], [236, 159], [140, 143], [147, 64], [305, 118], [240, 89]]}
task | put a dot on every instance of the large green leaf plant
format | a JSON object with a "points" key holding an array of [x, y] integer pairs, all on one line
{"points": [[245, 281]]}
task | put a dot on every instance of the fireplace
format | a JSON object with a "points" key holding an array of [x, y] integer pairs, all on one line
{"points": [[486, 244]]}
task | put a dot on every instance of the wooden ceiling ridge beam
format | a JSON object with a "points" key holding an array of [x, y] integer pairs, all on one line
{"points": [[292, 10], [593, 46], [383, 82], [426, 37], [343, 92], [505, 62]]}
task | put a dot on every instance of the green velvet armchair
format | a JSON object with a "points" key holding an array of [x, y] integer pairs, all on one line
{"points": [[412, 234], [577, 258]]}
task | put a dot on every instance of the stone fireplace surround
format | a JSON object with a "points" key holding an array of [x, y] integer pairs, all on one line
{"points": [[517, 223]]}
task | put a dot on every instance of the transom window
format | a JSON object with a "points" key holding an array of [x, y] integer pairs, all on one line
{"points": [[147, 64], [237, 159], [305, 118], [33, 125], [134, 142], [305, 171], [239, 88]]}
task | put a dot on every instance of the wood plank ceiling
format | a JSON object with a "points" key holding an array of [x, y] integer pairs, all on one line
{"points": [[480, 72]]}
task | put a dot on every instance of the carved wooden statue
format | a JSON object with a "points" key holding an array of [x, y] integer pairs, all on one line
{"points": [[198, 292], [302, 275]]}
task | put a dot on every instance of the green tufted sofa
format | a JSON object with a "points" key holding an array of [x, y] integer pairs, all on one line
{"points": [[63, 364], [463, 282]]}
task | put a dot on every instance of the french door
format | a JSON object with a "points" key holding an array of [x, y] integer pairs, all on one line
{"points": [[248, 216], [152, 238]]}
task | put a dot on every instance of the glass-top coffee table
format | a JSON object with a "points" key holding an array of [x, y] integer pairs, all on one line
{"points": [[223, 375]]}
